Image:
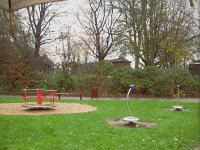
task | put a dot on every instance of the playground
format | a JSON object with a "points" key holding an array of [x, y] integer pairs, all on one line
{"points": [[97, 124], [43, 61]]}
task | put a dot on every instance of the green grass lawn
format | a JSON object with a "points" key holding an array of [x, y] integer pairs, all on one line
{"points": [[90, 131]]}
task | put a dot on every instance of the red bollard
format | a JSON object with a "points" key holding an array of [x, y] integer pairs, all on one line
{"points": [[39, 97], [94, 93]]}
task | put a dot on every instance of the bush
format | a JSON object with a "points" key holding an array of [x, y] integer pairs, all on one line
{"points": [[99, 76], [151, 81], [4, 85], [121, 79], [167, 81], [145, 78], [60, 81], [19, 76]]}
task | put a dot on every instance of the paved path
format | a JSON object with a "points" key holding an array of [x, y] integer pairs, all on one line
{"points": [[196, 100], [158, 99]]}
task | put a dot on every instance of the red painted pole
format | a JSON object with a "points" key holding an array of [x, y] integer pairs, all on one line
{"points": [[39, 97], [25, 96], [52, 98]]}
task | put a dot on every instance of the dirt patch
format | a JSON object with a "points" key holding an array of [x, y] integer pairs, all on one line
{"points": [[139, 124], [183, 110], [197, 148], [61, 108]]}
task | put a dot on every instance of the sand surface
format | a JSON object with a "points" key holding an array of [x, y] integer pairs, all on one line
{"points": [[60, 108]]}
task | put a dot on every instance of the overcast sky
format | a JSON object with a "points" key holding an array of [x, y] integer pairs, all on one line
{"points": [[74, 6], [64, 22], [69, 22]]}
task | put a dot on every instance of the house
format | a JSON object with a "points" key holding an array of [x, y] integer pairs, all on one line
{"points": [[121, 62], [91, 66], [195, 68]]}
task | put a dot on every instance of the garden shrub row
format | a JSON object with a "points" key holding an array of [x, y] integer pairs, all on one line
{"points": [[149, 82], [111, 81]]}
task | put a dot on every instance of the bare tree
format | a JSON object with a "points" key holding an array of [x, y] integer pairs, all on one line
{"points": [[129, 29], [99, 26], [69, 52], [191, 3], [40, 18]]}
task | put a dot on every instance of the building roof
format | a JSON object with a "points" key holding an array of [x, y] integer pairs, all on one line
{"points": [[120, 59]]}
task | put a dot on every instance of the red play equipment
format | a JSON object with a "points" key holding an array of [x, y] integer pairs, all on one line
{"points": [[40, 95]]}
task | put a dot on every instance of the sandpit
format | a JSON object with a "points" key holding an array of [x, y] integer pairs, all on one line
{"points": [[183, 110], [139, 124], [61, 108]]}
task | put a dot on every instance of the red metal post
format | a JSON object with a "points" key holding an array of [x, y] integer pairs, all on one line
{"points": [[94, 93], [39, 97]]}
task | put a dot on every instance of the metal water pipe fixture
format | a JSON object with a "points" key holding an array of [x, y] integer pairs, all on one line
{"points": [[130, 118], [127, 97], [177, 107], [178, 92]]}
